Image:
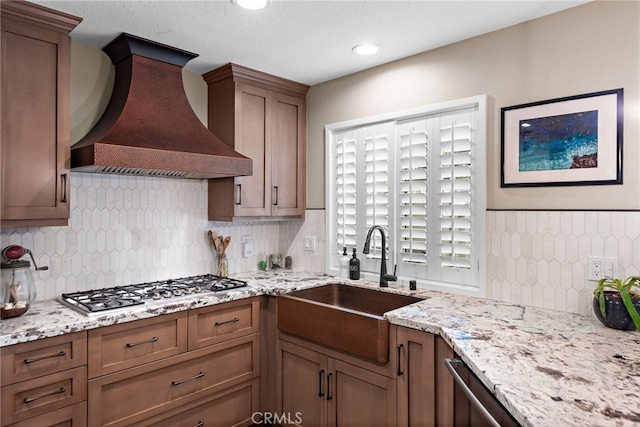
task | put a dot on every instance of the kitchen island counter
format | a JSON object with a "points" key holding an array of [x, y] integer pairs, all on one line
{"points": [[546, 367]]}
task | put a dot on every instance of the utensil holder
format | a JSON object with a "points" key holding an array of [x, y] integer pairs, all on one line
{"points": [[223, 266]]}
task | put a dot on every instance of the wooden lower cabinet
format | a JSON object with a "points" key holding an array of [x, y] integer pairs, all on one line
{"points": [[416, 385], [132, 395], [425, 387], [444, 386], [44, 382], [69, 416], [234, 407], [42, 395], [320, 390]]}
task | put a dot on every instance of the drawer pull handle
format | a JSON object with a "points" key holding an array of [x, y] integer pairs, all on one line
{"points": [[154, 339], [200, 424], [42, 396], [320, 378], [38, 359], [275, 188], [329, 396], [195, 377], [234, 320], [239, 194]]}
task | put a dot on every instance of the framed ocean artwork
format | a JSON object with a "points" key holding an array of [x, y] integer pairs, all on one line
{"points": [[575, 140]]}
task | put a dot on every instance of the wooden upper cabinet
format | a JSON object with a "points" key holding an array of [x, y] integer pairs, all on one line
{"points": [[264, 118], [35, 114]]}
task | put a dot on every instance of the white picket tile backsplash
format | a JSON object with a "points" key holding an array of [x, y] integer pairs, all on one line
{"points": [[136, 229], [540, 258], [127, 229]]}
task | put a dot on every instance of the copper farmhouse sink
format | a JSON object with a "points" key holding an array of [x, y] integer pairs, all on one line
{"points": [[344, 317]]}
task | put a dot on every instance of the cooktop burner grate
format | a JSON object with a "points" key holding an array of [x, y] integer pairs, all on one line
{"points": [[101, 300]]}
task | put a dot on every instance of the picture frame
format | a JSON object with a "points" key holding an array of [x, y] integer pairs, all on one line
{"points": [[574, 140]]}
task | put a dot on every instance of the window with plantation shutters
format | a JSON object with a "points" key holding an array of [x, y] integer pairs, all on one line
{"points": [[419, 175]]}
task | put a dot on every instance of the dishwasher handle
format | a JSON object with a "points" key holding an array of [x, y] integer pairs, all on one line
{"points": [[451, 366]]}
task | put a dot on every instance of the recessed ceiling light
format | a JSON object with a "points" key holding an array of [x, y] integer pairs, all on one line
{"points": [[366, 49], [252, 4]]}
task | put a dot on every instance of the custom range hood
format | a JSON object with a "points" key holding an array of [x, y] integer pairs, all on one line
{"points": [[149, 127]]}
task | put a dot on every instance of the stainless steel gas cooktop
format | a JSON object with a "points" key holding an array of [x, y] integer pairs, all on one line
{"points": [[104, 300]]}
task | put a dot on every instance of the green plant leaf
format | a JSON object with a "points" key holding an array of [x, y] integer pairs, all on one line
{"points": [[626, 299], [603, 306]]}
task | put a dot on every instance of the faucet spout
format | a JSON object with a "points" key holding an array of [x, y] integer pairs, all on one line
{"points": [[384, 277]]}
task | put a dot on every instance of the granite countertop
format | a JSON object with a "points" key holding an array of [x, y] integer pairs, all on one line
{"points": [[548, 368]]}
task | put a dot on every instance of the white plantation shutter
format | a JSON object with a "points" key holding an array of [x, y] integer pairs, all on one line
{"points": [[418, 176], [345, 190], [377, 140], [412, 139], [455, 187]]}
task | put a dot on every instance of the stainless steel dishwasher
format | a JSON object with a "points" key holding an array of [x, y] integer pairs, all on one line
{"points": [[474, 404]]}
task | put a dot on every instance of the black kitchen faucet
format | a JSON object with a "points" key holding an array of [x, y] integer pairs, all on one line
{"points": [[384, 277]]}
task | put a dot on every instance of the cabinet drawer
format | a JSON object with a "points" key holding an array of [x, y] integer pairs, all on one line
{"points": [[41, 395], [37, 358], [133, 395], [217, 323], [131, 344], [70, 416], [235, 406]]}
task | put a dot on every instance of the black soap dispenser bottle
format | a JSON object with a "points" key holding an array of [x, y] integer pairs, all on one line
{"points": [[354, 267]]}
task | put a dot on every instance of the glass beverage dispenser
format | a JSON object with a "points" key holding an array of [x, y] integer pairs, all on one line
{"points": [[17, 290]]}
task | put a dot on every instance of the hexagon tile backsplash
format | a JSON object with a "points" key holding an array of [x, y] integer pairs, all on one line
{"points": [[135, 229], [129, 229]]}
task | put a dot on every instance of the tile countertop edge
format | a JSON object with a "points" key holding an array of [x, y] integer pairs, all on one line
{"points": [[545, 367]]}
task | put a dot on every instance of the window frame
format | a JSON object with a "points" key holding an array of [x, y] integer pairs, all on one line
{"points": [[478, 269]]}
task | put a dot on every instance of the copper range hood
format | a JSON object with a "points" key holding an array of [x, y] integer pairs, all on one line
{"points": [[149, 127]]}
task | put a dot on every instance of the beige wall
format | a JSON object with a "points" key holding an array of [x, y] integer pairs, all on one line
{"points": [[586, 49]]}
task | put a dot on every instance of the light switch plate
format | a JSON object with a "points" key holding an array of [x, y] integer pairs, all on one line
{"points": [[310, 243], [247, 249]]}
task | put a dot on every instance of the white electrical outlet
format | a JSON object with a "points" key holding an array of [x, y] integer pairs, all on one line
{"points": [[309, 243], [601, 267]]}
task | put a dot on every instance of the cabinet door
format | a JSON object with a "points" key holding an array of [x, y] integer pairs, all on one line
{"points": [[35, 125], [416, 385], [358, 397], [288, 156], [444, 384], [253, 130], [302, 386]]}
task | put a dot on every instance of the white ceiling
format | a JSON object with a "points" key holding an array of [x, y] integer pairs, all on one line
{"points": [[302, 40]]}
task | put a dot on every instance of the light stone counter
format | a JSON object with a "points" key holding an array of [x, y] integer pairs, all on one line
{"points": [[548, 368]]}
